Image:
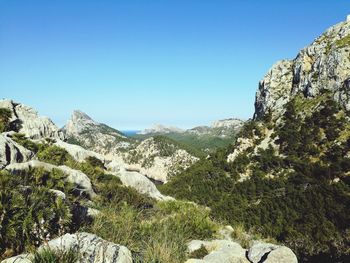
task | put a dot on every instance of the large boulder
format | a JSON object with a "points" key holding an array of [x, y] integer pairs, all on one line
{"points": [[266, 252], [220, 251], [136, 180], [12, 152], [26, 120], [78, 178], [90, 248], [78, 152]]}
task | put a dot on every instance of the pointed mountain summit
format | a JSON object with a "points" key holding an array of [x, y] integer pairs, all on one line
{"points": [[81, 129]]}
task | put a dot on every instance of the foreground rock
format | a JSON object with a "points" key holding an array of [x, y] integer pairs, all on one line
{"points": [[27, 121], [270, 253], [220, 251], [78, 178], [227, 251], [90, 248], [12, 152]]}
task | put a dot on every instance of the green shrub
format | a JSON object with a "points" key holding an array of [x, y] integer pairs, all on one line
{"points": [[26, 143], [53, 154], [5, 116], [29, 213]]}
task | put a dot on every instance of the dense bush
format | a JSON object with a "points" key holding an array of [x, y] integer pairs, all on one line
{"points": [[5, 116], [29, 212], [52, 154], [25, 142], [306, 204]]}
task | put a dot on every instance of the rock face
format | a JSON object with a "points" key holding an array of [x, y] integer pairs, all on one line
{"points": [[90, 248], [228, 123], [12, 152], [137, 181], [78, 178], [27, 121], [324, 65], [158, 159], [98, 137], [227, 251]]}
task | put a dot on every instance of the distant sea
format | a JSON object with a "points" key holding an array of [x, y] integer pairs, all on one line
{"points": [[130, 133]]}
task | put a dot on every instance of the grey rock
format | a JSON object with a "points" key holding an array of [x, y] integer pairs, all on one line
{"points": [[78, 178], [12, 152], [220, 251], [23, 258], [136, 180], [77, 152], [271, 253], [91, 248], [27, 121]]}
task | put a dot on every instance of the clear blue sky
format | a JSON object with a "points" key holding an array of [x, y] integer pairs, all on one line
{"points": [[134, 63]]}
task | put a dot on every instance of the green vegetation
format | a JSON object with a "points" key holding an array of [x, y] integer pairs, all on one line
{"points": [[25, 142], [30, 212], [154, 234], [5, 116], [343, 42], [53, 154], [300, 198], [54, 256]]}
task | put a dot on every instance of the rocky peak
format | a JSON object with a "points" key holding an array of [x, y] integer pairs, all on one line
{"points": [[323, 65], [26, 120]]}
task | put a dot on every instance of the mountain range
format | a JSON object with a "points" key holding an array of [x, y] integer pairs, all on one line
{"points": [[275, 188]]}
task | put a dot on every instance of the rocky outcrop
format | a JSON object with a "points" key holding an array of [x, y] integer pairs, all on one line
{"points": [[98, 137], [228, 123], [159, 159], [270, 253], [222, 251], [12, 152], [78, 178], [27, 121], [90, 249], [77, 152], [324, 65]]}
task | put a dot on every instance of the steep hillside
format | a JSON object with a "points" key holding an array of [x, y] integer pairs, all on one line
{"points": [[287, 174]]}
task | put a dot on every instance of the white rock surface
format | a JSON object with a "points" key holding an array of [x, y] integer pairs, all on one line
{"points": [[78, 152], [78, 178], [220, 251], [274, 253], [92, 248], [12, 152], [23, 258], [27, 121], [137, 181]]}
